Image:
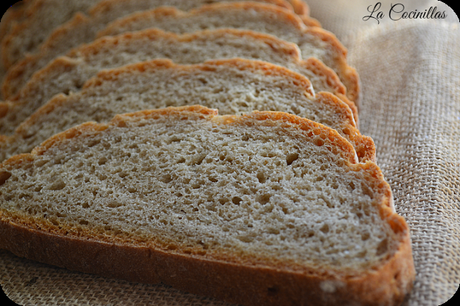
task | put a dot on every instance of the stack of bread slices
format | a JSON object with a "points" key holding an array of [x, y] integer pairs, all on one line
{"points": [[209, 145]]}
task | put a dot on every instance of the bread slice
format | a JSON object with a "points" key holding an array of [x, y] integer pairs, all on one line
{"points": [[262, 209], [83, 29], [31, 29], [28, 36], [65, 75], [12, 16], [312, 41], [233, 86]]}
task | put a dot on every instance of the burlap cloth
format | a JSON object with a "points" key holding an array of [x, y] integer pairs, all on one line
{"points": [[410, 74]]}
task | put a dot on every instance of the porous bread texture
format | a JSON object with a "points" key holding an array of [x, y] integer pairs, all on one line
{"points": [[312, 41], [82, 28], [64, 75], [233, 86], [269, 194], [31, 29]]}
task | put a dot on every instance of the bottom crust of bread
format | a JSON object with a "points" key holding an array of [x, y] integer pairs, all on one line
{"points": [[236, 283]]}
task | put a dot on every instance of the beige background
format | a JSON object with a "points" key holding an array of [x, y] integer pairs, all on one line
{"points": [[410, 75]]}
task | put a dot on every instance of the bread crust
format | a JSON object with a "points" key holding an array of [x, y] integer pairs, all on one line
{"points": [[300, 7], [33, 91], [9, 57], [363, 145], [248, 280], [238, 283], [338, 62], [23, 68]]}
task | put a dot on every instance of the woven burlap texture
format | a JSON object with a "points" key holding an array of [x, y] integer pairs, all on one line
{"points": [[410, 106]]}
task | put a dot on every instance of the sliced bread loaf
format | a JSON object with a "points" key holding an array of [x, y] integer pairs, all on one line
{"points": [[28, 35], [31, 28], [233, 86], [262, 209], [83, 29], [64, 75], [312, 41], [15, 14]]}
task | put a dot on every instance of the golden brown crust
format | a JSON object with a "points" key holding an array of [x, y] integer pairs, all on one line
{"points": [[339, 146], [300, 7], [310, 22], [267, 69], [238, 283], [162, 12]]}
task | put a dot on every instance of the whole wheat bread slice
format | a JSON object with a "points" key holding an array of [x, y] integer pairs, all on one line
{"points": [[64, 75], [262, 209], [15, 14], [28, 36], [35, 24], [233, 86], [83, 29]]}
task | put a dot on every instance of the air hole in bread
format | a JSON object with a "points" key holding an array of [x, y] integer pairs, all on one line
{"points": [[367, 191], [223, 201], [382, 247], [197, 185], [291, 158], [132, 190], [295, 110], [365, 236], [319, 142], [57, 185], [263, 199], [198, 159], [123, 174], [247, 238], [324, 228], [4, 176], [351, 185], [236, 200], [41, 162], [261, 177], [166, 178], [114, 204]]}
